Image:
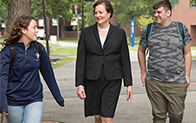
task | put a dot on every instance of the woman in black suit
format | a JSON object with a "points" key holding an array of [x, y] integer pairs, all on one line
{"points": [[102, 62]]}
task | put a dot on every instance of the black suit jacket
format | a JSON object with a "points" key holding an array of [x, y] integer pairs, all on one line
{"points": [[113, 58]]}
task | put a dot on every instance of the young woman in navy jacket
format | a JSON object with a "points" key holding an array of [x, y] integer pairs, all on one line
{"points": [[20, 87]]}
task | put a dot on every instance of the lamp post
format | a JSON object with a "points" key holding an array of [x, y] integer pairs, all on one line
{"points": [[46, 28]]}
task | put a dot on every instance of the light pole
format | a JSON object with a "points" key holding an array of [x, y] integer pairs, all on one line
{"points": [[76, 12], [46, 28]]}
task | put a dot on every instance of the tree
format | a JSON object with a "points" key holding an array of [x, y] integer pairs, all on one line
{"points": [[58, 9], [144, 20], [3, 15], [193, 2], [17, 8]]}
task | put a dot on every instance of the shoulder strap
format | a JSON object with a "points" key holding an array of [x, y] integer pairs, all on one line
{"points": [[180, 27], [39, 49], [148, 31], [13, 54]]}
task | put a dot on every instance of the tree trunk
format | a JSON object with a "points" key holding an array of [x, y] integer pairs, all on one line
{"points": [[17, 8], [62, 29]]}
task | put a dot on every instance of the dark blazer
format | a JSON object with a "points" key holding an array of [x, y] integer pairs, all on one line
{"points": [[113, 58]]}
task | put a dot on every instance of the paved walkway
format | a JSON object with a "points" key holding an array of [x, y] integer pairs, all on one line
{"points": [[137, 110]]}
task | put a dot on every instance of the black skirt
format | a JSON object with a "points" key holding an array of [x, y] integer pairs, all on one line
{"points": [[101, 96]]}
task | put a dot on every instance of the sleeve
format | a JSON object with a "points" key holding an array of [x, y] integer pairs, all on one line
{"points": [[187, 36], [5, 59], [143, 38], [126, 65], [80, 62], [48, 75]]}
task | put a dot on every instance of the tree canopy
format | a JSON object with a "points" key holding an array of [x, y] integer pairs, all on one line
{"points": [[193, 2]]}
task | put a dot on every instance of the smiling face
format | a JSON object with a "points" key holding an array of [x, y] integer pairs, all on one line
{"points": [[162, 16], [31, 32], [101, 15]]}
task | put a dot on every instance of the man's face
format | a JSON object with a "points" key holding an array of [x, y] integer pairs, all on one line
{"points": [[161, 15]]}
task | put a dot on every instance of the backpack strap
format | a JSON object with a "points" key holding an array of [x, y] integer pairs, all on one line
{"points": [[180, 27], [13, 54], [39, 49], [148, 31]]}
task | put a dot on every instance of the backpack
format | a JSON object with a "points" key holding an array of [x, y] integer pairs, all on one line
{"points": [[13, 52], [180, 27]]}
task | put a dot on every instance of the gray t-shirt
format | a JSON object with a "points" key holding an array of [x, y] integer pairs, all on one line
{"points": [[166, 59]]}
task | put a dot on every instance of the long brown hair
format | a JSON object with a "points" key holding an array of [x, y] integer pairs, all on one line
{"points": [[15, 32]]}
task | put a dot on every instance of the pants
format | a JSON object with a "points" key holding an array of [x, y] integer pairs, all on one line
{"points": [[166, 98], [31, 113]]}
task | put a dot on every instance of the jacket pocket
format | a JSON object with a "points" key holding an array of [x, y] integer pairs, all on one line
{"points": [[117, 66], [88, 66]]}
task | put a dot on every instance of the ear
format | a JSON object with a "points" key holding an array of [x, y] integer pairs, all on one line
{"points": [[168, 12], [23, 31]]}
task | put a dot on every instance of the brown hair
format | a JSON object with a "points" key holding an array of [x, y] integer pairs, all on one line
{"points": [[108, 6], [163, 3], [15, 32]]}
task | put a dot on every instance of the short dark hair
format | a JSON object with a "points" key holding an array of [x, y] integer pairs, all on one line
{"points": [[163, 3], [108, 6]]}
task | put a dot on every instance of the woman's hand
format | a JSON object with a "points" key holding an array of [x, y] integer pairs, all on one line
{"points": [[81, 92], [129, 93]]}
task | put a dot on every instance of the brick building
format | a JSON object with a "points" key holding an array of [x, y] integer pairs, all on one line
{"points": [[186, 13]]}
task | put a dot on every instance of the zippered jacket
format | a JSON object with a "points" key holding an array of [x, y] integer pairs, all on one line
{"points": [[21, 85]]}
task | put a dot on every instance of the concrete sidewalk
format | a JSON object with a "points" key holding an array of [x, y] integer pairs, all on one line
{"points": [[137, 110]]}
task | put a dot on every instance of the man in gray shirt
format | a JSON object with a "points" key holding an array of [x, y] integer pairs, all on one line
{"points": [[167, 77]]}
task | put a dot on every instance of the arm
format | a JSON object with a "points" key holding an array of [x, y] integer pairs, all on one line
{"points": [[5, 58], [126, 66], [188, 60], [80, 63], [48, 75], [142, 62]]}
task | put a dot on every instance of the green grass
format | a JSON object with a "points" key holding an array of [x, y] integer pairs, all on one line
{"points": [[71, 40], [63, 61], [73, 51], [64, 51], [193, 47]]}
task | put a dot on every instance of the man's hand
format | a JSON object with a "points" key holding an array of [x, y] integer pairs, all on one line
{"points": [[143, 76], [81, 93]]}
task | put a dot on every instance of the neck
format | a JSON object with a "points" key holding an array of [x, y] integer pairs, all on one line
{"points": [[103, 26], [25, 41]]}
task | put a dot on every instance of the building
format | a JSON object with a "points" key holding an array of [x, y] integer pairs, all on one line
{"points": [[186, 13]]}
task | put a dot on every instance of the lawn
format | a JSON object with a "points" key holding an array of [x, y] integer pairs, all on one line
{"points": [[56, 50]]}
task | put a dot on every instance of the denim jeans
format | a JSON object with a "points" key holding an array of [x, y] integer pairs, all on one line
{"points": [[31, 113]]}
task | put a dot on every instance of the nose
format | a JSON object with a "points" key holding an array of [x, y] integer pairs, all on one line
{"points": [[37, 30], [155, 14]]}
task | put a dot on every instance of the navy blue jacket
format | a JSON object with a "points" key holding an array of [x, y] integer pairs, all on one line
{"points": [[22, 84]]}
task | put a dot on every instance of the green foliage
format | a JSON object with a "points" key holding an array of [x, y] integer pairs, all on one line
{"points": [[144, 20], [59, 9], [127, 10], [193, 2], [3, 11], [88, 16]]}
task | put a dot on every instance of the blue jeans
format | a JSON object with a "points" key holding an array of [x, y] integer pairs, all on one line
{"points": [[31, 113]]}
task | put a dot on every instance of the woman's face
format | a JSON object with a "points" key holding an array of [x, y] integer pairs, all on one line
{"points": [[31, 32], [101, 15]]}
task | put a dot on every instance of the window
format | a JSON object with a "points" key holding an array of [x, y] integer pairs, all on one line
{"points": [[192, 5], [174, 2]]}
